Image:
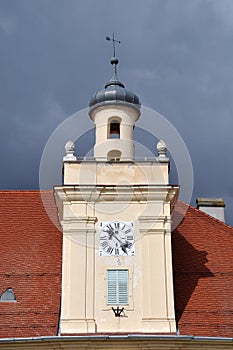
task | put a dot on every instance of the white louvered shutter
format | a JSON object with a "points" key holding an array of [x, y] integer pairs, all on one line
{"points": [[117, 287], [122, 286], [111, 287]]}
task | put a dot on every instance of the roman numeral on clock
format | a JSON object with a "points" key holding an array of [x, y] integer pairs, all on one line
{"points": [[104, 244], [130, 237], [116, 251], [127, 231], [117, 225], [103, 238], [129, 245], [110, 250]]}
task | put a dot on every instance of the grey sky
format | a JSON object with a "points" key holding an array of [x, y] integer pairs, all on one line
{"points": [[175, 54]]}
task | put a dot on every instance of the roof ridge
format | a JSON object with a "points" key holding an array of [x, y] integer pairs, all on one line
{"points": [[210, 218]]}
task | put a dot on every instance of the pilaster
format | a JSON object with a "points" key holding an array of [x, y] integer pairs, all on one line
{"points": [[78, 274], [157, 284]]}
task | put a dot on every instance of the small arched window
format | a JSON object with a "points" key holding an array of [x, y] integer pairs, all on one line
{"points": [[114, 129], [8, 295]]}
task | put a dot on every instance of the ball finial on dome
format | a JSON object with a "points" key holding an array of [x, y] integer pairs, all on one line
{"points": [[114, 60]]}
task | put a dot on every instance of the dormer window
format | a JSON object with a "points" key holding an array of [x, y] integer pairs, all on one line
{"points": [[8, 296], [114, 129]]}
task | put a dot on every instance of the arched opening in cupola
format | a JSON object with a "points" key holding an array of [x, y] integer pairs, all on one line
{"points": [[114, 155], [114, 130]]}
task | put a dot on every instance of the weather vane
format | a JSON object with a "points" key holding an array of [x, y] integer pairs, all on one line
{"points": [[113, 42]]}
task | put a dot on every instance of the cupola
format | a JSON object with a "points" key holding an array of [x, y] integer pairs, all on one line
{"points": [[114, 92], [114, 110]]}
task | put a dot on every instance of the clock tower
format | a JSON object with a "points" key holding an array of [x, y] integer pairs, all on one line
{"points": [[115, 212]]}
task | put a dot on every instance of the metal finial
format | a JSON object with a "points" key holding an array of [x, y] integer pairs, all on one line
{"points": [[113, 43], [114, 60]]}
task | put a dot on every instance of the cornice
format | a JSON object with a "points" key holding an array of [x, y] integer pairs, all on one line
{"points": [[91, 193], [128, 341]]}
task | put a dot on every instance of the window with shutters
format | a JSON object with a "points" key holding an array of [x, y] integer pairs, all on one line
{"points": [[117, 287]]}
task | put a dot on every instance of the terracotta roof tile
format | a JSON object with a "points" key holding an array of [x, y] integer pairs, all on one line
{"points": [[31, 250], [30, 265], [203, 275]]}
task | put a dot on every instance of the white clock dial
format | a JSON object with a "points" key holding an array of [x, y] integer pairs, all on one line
{"points": [[116, 238]]}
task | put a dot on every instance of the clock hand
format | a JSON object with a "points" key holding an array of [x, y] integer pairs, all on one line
{"points": [[110, 233], [124, 246], [121, 243], [114, 235]]}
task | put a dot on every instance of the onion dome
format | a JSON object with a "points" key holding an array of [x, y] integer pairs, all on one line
{"points": [[114, 92]]}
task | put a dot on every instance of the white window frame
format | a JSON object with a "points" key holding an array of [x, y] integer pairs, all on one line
{"points": [[117, 287]]}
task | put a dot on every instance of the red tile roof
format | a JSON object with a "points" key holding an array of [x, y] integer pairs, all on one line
{"points": [[30, 254], [31, 251], [203, 275]]}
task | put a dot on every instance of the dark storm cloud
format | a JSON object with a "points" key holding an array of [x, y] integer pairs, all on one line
{"points": [[176, 55]]}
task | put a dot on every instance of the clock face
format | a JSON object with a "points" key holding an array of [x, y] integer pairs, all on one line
{"points": [[116, 238]]}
